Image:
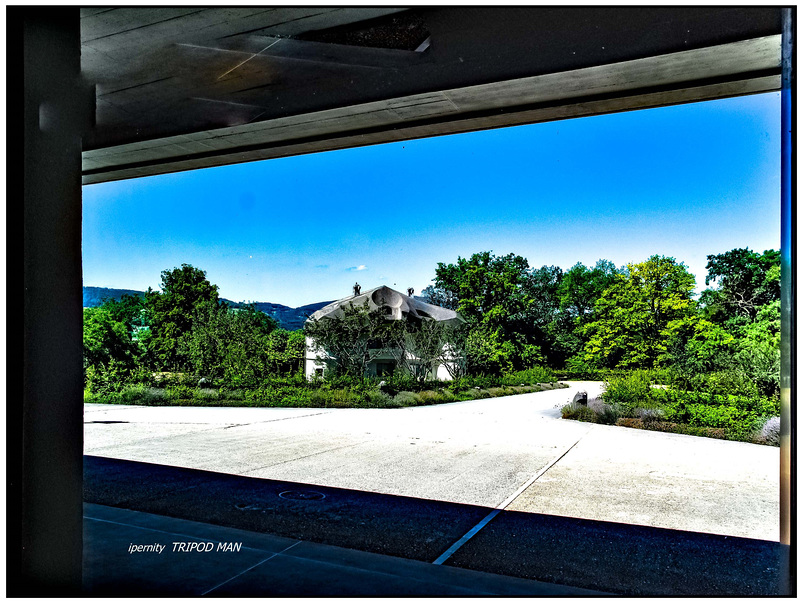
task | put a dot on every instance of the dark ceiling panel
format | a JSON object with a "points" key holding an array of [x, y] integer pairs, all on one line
{"points": [[168, 72]]}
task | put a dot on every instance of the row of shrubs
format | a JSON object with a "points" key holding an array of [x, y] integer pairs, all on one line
{"points": [[334, 391], [723, 409], [288, 396]]}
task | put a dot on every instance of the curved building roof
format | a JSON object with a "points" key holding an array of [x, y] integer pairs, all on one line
{"points": [[399, 305]]}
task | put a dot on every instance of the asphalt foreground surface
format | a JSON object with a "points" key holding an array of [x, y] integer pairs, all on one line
{"points": [[603, 508]]}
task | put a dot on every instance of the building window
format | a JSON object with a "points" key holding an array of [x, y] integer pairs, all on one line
{"points": [[384, 368]]}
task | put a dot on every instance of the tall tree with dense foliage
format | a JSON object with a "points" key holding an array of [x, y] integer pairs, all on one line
{"points": [[173, 312], [746, 281], [634, 317], [110, 353], [581, 287], [285, 350], [107, 340], [348, 343], [496, 296], [578, 291]]}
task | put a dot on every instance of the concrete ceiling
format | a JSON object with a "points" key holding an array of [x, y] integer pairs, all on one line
{"points": [[187, 88]]}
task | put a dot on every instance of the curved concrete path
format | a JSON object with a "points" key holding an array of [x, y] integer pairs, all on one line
{"points": [[512, 453]]}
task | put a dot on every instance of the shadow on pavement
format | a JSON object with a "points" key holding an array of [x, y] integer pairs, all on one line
{"points": [[603, 556]]}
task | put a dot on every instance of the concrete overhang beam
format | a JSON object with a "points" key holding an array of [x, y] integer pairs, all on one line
{"points": [[733, 69]]}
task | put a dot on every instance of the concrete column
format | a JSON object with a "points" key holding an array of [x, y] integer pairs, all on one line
{"points": [[48, 110]]}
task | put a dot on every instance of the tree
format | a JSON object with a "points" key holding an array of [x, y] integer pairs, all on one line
{"points": [[173, 312], [578, 291], [454, 353], [349, 342], [759, 354], [285, 350], [427, 343], [109, 352], [247, 361], [105, 339], [504, 303], [695, 345], [746, 281], [633, 318], [581, 287], [535, 324], [481, 287], [205, 346], [129, 310], [232, 345]]}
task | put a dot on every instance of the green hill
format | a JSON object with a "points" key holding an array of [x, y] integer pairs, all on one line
{"points": [[286, 316]]}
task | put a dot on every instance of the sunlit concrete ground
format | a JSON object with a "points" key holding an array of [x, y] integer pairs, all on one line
{"points": [[476, 452]]}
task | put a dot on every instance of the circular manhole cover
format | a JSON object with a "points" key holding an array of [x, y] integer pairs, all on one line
{"points": [[302, 495]]}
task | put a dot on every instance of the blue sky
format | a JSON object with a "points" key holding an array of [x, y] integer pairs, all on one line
{"points": [[683, 181]]}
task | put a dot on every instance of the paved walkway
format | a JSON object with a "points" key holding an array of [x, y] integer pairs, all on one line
{"points": [[511, 453], [128, 553]]}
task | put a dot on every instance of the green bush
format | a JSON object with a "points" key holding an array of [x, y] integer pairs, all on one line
{"points": [[207, 394], [140, 394], [717, 382], [180, 392], [579, 412], [578, 367], [341, 398], [533, 375], [407, 399], [234, 394], [660, 426], [100, 398], [605, 414], [340, 392], [432, 397], [628, 393], [376, 398], [166, 379], [737, 416], [590, 374], [399, 382]]}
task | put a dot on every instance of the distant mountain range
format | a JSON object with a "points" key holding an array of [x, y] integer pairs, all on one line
{"points": [[287, 317]]}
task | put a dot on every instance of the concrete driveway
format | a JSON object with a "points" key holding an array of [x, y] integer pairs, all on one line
{"points": [[512, 453]]}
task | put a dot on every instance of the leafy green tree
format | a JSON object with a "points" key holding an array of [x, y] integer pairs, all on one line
{"points": [[505, 304], [110, 354], [633, 319], [488, 352], [454, 353], [106, 339], [229, 345], [746, 281], [482, 287], [246, 361], [285, 350], [349, 342], [759, 353], [695, 345], [577, 293], [205, 345], [581, 287], [172, 313], [129, 310]]}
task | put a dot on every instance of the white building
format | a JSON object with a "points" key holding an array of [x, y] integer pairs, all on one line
{"points": [[395, 307]]}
